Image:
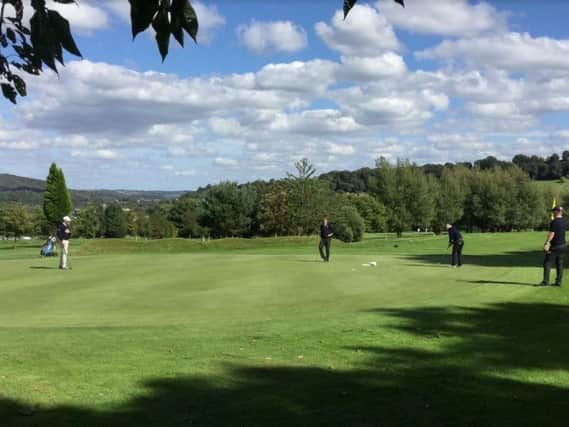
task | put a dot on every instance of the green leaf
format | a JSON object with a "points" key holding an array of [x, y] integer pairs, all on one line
{"points": [[38, 4], [19, 7], [9, 92], [141, 14], [64, 36], [11, 35], [44, 40], [190, 20], [20, 85], [161, 25], [176, 16], [348, 5]]}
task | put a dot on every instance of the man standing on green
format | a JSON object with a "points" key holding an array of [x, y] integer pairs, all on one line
{"points": [[326, 234], [63, 237], [555, 247], [457, 242]]}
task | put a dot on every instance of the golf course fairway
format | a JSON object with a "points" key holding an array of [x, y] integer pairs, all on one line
{"points": [[261, 332]]}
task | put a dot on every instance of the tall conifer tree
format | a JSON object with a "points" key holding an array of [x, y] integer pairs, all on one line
{"points": [[56, 200]]}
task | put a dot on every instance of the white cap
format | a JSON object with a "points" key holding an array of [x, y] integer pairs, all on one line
{"points": [[66, 219]]}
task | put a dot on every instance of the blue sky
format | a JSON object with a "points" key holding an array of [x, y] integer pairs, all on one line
{"points": [[271, 82]]}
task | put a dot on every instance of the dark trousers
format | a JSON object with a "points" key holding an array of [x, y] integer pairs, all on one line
{"points": [[457, 253], [554, 257], [325, 244]]}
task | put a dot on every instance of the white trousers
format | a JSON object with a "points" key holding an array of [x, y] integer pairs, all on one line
{"points": [[63, 253]]}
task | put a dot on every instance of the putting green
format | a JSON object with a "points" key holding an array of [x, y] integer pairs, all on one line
{"points": [[261, 332]]}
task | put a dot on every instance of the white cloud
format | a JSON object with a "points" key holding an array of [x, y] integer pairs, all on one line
{"points": [[310, 78], [90, 15], [390, 103], [364, 33], [387, 65], [516, 52], [341, 113], [185, 173], [314, 122], [443, 17], [150, 98], [458, 142], [82, 16], [102, 154], [85, 16], [170, 169], [277, 36], [562, 134], [18, 145], [210, 20], [340, 149], [225, 162], [225, 126], [119, 8]]}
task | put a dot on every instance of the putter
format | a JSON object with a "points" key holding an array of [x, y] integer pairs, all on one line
{"points": [[445, 257]]}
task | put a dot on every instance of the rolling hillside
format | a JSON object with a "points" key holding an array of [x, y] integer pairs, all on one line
{"points": [[30, 191]]}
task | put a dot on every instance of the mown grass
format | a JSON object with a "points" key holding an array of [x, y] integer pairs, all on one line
{"points": [[260, 332]]}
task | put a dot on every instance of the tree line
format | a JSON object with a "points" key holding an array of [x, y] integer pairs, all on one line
{"points": [[398, 197], [553, 167]]}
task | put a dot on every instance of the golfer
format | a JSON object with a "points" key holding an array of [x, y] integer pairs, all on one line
{"points": [[326, 234], [63, 237], [555, 247], [457, 242]]}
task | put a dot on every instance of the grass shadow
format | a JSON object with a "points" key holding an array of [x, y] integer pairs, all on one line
{"points": [[506, 259], [434, 265], [43, 268], [499, 282], [444, 373]]}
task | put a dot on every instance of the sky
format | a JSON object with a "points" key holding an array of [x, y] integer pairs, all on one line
{"points": [[271, 82]]}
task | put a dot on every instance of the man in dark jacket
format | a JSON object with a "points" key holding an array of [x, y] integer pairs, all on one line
{"points": [[326, 234], [555, 247], [457, 242], [63, 237]]}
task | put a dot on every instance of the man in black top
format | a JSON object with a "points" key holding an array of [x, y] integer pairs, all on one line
{"points": [[326, 234], [63, 237], [555, 247], [457, 242]]}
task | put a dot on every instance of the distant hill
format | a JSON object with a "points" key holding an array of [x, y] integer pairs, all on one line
{"points": [[30, 192]]}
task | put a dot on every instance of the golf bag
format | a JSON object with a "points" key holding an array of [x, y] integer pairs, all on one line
{"points": [[48, 249]]}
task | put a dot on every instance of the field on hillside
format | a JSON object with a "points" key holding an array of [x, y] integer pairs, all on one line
{"points": [[261, 332]]}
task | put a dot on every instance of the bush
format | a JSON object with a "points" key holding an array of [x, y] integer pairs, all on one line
{"points": [[114, 221], [348, 225], [371, 210]]}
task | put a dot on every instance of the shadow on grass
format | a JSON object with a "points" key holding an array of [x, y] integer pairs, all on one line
{"points": [[37, 267], [506, 259], [501, 365], [498, 282]]}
